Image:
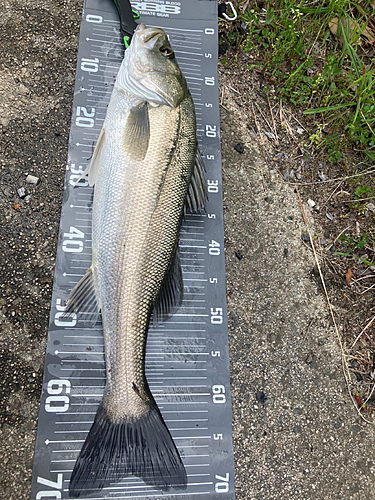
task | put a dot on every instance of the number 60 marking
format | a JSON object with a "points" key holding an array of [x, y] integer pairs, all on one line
{"points": [[218, 394]]}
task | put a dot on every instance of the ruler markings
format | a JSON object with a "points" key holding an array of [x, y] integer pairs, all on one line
{"points": [[193, 258]]}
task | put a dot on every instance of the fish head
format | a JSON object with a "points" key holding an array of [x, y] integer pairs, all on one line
{"points": [[150, 70]]}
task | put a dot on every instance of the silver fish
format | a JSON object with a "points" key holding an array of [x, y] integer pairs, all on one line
{"points": [[147, 169]]}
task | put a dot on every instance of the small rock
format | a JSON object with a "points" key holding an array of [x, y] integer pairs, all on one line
{"points": [[289, 175], [355, 364], [329, 216], [269, 135], [31, 179], [261, 397], [240, 148], [23, 89], [309, 359], [332, 249], [17, 80], [238, 255], [311, 203], [327, 233], [300, 130], [315, 271], [323, 176], [21, 192], [285, 252], [371, 207], [297, 429], [336, 205], [292, 174], [305, 237]]}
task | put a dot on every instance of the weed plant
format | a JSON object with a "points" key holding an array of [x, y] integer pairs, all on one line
{"points": [[331, 76]]}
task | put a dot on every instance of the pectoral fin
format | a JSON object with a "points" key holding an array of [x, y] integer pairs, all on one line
{"points": [[197, 193], [136, 133]]}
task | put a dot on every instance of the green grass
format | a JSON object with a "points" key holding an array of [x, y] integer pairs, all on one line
{"points": [[333, 82]]}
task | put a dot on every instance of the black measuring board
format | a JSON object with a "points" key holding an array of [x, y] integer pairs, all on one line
{"points": [[187, 362]]}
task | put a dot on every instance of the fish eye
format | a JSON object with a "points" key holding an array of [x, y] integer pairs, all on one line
{"points": [[167, 52]]}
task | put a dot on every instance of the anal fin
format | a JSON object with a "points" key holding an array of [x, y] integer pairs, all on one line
{"points": [[171, 292]]}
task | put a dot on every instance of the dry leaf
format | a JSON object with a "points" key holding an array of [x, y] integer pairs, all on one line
{"points": [[348, 276], [354, 30]]}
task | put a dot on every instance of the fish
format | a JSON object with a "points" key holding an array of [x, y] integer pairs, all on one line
{"points": [[147, 171]]}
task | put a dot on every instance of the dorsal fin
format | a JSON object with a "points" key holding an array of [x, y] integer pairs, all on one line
{"points": [[197, 192]]}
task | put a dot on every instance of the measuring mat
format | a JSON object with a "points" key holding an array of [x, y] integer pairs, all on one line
{"points": [[187, 363]]}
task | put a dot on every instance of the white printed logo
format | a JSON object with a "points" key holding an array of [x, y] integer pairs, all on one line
{"points": [[153, 8]]}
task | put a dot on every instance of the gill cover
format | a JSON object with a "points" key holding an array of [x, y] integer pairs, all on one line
{"points": [[150, 71]]}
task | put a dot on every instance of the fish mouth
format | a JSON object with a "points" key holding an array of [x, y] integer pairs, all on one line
{"points": [[149, 36]]}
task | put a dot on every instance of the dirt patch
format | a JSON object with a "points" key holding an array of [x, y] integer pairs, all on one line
{"points": [[334, 195], [37, 73]]}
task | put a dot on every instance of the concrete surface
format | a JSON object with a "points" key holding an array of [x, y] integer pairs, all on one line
{"points": [[296, 433]]}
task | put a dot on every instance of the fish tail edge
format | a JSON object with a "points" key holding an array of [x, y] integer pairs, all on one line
{"points": [[113, 450]]}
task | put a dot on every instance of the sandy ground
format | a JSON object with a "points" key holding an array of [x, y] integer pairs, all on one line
{"points": [[296, 433]]}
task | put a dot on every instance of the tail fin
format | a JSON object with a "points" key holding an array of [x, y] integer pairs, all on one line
{"points": [[114, 450]]}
